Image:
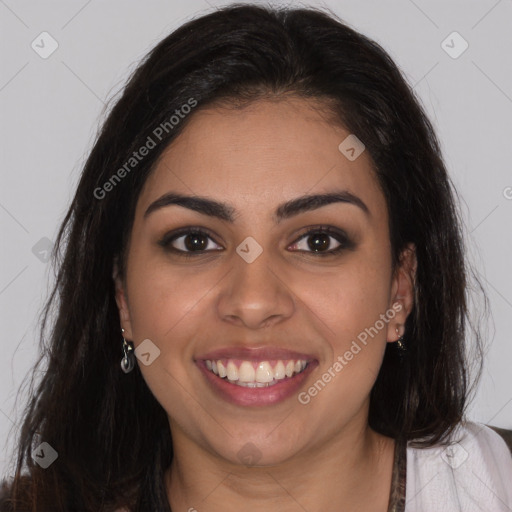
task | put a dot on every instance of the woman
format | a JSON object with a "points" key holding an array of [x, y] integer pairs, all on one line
{"points": [[261, 301]]}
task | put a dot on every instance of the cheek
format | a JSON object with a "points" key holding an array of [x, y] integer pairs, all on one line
{"points": [[165, 307], [352, 301], [352, 304], [349, 299], [162, 299]]}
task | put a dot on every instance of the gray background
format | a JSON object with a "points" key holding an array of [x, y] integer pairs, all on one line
{"points": [[50, 110]]}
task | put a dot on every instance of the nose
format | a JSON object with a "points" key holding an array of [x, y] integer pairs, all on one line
{"points": [[255, 295]]}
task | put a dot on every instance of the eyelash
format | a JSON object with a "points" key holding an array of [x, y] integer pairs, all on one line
{"points": [[340, 236]]}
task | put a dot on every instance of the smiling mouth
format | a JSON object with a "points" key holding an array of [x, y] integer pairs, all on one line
{"points": [[256, 374]]}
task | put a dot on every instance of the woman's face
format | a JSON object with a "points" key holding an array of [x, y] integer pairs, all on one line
{"points": [[257, 292]]}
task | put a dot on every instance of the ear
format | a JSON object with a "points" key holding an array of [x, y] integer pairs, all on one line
{"points": [[402, 292], [122, 302]]}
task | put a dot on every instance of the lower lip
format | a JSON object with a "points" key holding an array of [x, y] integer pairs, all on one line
{"points": [[248, 397]]}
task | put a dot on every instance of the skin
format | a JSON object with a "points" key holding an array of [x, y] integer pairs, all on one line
{"points": [[313, 455]]}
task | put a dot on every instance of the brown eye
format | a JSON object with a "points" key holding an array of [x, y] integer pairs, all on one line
{"points": [[186, 242], [194, 241], [320, 241]]}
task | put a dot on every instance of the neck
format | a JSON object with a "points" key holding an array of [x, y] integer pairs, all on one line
{"points": [[353, 470]]}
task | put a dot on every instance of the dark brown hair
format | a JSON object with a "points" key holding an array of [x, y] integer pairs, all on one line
{"points": [[111, 434]]}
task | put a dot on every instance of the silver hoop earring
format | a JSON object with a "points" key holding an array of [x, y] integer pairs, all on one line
{"points": [[128, 360]]}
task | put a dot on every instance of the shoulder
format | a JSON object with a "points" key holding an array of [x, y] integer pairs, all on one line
{"points": [[492, 443], [472, 472], [505, 434]]}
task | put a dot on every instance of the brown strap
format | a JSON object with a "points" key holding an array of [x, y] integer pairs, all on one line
{"points": [[505, 434], [398, 479]]}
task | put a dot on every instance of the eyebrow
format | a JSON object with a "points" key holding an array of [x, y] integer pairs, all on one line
{"points": [[284, 211]]}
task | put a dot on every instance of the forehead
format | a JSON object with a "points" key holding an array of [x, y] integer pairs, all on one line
{"points": [[261, 155]]}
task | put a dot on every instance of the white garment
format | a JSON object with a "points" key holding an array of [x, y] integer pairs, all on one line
{"points": [[472, 474]]}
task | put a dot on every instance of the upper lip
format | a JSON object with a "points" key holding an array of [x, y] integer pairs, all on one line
{"points": [[254, 354]]}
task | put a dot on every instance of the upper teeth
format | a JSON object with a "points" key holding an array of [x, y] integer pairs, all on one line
{"points": [[260, 372]]}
